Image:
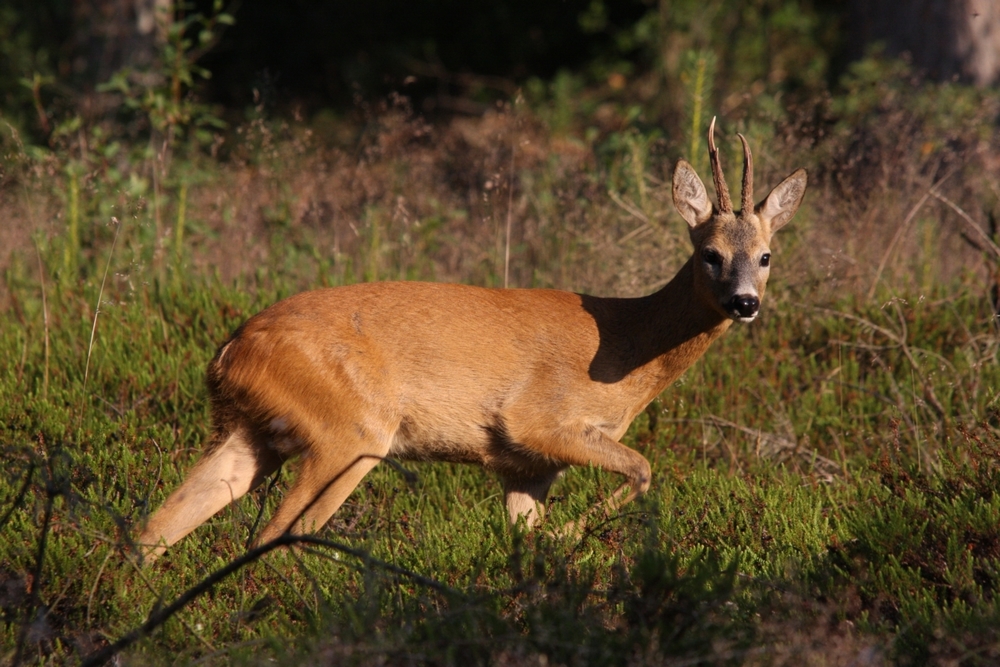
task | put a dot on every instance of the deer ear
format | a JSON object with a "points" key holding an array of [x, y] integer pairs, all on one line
{"points": [[783, 201], [690, 198]]}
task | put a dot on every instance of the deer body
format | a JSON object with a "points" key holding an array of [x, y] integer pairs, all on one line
{"points": [[522, 382]]}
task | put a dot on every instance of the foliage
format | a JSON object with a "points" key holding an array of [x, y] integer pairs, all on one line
{"points": [[30, 33], [161, 95]]}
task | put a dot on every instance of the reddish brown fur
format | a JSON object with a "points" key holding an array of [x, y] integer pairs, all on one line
{"points": [[522, 382]]}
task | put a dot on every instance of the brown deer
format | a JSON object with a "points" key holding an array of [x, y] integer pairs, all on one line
{"points": [[524, 382]]}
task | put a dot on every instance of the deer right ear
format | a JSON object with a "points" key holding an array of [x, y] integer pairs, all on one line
{"points": [[783, 201], [690, 198]]}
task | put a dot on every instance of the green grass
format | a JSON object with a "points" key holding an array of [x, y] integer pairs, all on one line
{"points": [[808, 499]]}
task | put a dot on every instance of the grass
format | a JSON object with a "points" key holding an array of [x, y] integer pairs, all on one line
{"points": [[824, 479]]}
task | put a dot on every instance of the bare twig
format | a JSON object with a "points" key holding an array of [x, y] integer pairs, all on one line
{"points": [[161, 615], [984, 238], [260, 510], [775, 446], [903, 227], [891, 335], [900, 340], [628, 207], [608, 520], [148, 583], [97, 582]]}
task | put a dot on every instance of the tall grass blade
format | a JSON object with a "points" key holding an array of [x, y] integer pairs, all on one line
{"points": [[698, 78], [100, 296]]}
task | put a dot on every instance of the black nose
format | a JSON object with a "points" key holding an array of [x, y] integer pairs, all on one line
{"points": [[744, 305]]}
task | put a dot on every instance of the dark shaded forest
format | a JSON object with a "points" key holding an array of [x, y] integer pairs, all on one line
{"points": [[452, 56]]}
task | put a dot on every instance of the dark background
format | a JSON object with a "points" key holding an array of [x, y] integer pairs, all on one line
{"points": [[314, 54]]}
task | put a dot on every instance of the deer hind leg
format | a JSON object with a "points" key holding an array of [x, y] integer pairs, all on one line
{"points": [[224, 473], [327, 475], [525, 496]]}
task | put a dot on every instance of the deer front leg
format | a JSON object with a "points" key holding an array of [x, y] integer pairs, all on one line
{"points": [[589, 446]]}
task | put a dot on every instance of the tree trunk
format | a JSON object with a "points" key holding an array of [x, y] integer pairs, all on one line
{"points": [[112, 34], [943, 38]]}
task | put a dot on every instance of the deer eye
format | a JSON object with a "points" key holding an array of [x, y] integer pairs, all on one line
{"points": [[765, 259], [711, 257]]}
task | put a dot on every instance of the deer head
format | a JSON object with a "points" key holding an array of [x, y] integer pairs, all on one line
{"points": [[732, 257]]}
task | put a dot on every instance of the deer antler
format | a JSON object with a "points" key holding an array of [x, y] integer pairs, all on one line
{"points": [[747, 195], [725, 203]]}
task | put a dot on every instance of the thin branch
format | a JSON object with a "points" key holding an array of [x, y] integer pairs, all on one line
{"points": [[903, 227], [984, 238], [628, 207], [97, 582], [161, 615]]}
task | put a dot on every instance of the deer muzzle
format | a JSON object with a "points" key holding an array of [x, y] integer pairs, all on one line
{"points": [[743, 307]]}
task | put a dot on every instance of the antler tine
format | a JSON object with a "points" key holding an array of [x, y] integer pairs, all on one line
{"points": [[747, 194], [725, 203]]}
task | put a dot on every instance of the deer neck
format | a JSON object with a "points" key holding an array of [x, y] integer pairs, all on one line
{"points": [[679, 324], [648, 342]]}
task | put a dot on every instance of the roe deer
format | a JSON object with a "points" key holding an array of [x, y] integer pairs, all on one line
{"points": [[524, 382]]}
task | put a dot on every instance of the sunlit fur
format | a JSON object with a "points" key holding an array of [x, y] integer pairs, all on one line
{"points": [[522, 382]]}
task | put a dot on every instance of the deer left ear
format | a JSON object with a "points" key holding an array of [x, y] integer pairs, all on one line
{"points": [[783, 201], [690, 198]]}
